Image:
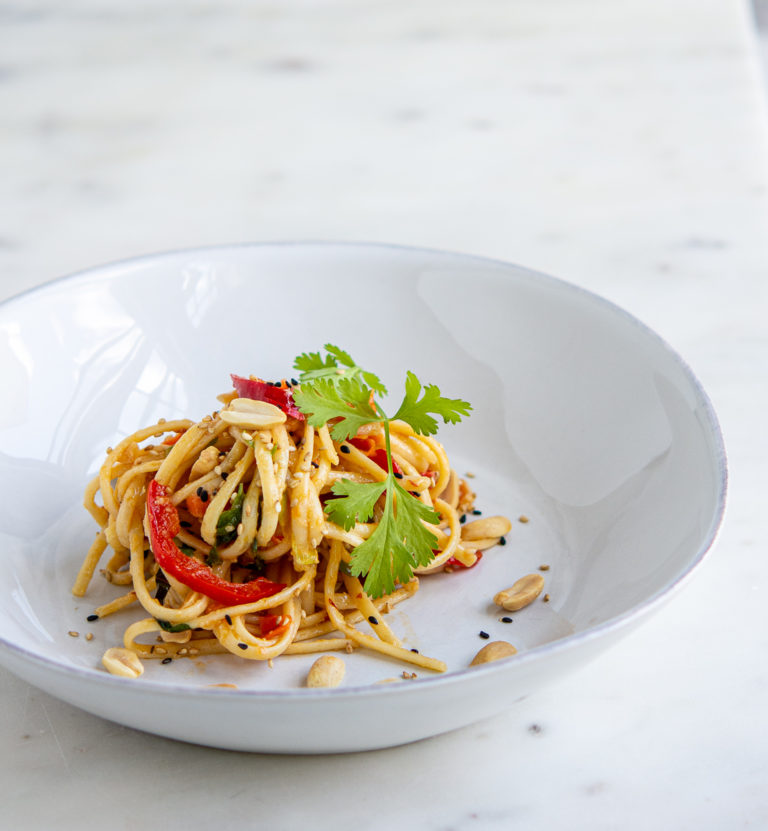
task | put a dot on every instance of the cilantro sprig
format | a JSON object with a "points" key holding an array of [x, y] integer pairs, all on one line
{"points": [[336, 366], [335, 389]]}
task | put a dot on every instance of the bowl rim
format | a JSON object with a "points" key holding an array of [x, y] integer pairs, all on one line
{"points": [[535, 654]]}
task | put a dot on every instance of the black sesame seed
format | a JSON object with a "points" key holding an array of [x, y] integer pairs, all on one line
{"points": [[463, 518], [503, 541], [372, 620], [185, 524], [243, 645], [199, 491], [344, 448], [166, 660], [415, 650], [398, 476], [294, 382], [204, 495], [506, 620], [413, 493], [484, 635], [476, 512], [228, 619], [91, 618], [224, 476]]}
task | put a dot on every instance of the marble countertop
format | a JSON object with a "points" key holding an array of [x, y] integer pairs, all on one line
{"points": [[620, 146]]}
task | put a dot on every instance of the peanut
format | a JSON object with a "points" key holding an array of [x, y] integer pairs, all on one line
{"points": [[327, 671], [245, 412], [493, 652], [523, 592], [122, 662], [491, 526]]}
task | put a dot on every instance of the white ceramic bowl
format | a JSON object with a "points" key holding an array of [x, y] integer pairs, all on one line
{"points": [[584, 421]]}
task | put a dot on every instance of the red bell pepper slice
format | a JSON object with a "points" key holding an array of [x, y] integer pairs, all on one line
{"points": [[272, 626], [262, 391], [164, 526]]}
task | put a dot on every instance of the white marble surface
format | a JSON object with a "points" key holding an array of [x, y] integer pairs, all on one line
{"points": [[619, 145]]}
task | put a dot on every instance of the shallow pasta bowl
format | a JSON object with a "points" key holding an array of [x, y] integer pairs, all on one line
{"points": [[588, 431]]}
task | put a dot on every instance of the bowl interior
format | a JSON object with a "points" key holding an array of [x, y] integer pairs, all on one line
{"points": [[584, 421]]}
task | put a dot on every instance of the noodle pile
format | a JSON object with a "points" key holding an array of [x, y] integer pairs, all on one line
{"points": [[250, 503]]}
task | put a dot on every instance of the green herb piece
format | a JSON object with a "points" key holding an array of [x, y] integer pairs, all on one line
{"points": [[336, 365], [212, 558], [185, 549], [173, 627], [256, 564], [226, 527], [163, 586], [401, 541]]}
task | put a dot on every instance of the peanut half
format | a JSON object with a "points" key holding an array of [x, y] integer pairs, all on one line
{"points": [[522, 593], [485, 528], [122, 662], [493, 651], [245, 412], [327, 671]]}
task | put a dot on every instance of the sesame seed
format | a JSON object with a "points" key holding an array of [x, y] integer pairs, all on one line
{"points": [[199, 490], [344, 448], [91, 618], [243, 645], [160, 650], [484, 635], [415, 650], [502, 540], [224, 475], [89, 636], [372, 620], [476, 512], [544, 567], [294, 382], [469, 475], [166, 660], [545, 598], [463, 518], [522, 519], [398, 476], [204, 495], [506, 620], [228, 619], [73, 634], [183, 651], [240, 529]]}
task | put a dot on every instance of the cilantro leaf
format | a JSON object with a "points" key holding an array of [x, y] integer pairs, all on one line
{"points": [[313, 362], [346, 399], [337, 365], [419, 412], [399, 544], [354, 502], [172, 627], [340, 355], [226, 527]]}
